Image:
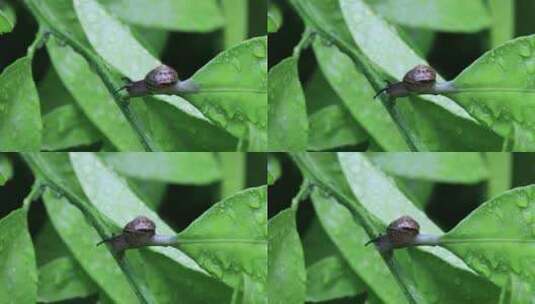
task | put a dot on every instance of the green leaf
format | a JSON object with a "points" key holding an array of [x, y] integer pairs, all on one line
{"points": [[150, 192], [237, 226], [316, 243], [500, 169], [438, 130], [81, 239], [333, 127], [111, 195], [434, 126], [166, 121], [236, 21], [319, 93], [444, 16], [521, 140], [507, 222], [172, 284], [7, 19], [498, 102], [174, 15], [288, 124], [48, 245], [516, 291], [286, 264], [420, 39], [92, 96], [417, 191], [380, 196], [67, 127], [62, 279], [173, 167], [331, 278], [503, 21], [364, 261], [6, 169], [233, 172], [20, 117], [117, 45], [390, 52], [274, 169], [18, 279], [357, 95], [274, 18], [448, 167], [452, 285], [233, 88], [251, 294]]}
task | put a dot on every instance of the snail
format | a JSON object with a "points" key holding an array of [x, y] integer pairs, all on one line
{"points": [[419, 80], [141, 232], [161, 80], [403, 232]]}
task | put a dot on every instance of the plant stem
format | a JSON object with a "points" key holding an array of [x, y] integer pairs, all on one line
{"points": [[53, 182], [365, 67], [40, 39], [304, 42], [303, 194], [358, 211], [99, 68], [35, 193]]}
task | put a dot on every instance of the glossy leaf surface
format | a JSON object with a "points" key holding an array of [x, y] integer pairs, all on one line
{"points": [[18, 273], [288, 124], [20, 117], [286, 265]]}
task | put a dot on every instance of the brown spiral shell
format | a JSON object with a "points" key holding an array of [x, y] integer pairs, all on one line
{"points": [[402, 231], [421, 76], [160, 77], [139, 229]]}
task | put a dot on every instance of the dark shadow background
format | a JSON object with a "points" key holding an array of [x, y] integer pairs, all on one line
{"points": [[447, 205]]}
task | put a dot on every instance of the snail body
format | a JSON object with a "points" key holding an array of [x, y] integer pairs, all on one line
{"points": [[139, 231], [420, 79], [403, 232], [160, 80]]}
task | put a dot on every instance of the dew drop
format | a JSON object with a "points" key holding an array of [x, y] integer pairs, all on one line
{"points": [[259, 51], [525, 50], [254, 204], [522, 203]]}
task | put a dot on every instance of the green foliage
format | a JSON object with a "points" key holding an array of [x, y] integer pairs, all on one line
{"points": [[93, 43], [288, 126], [63, 279], [363, 45], [18, 279], [89, 197], [356, 195], [287, 274], [7, 19], [20, 118]]}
